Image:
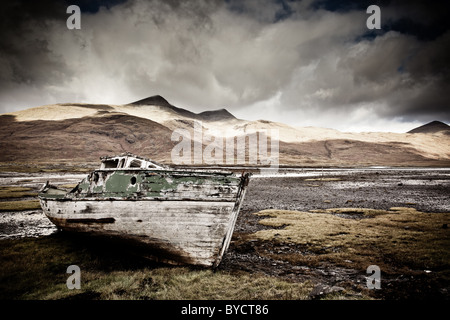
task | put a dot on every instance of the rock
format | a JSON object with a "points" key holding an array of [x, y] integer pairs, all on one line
{"points": [[322, 290]]}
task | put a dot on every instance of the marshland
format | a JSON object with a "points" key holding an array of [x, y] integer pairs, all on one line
{"points": [[302, 233]]}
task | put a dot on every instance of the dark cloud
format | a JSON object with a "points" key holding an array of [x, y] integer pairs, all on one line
{"points": [[93, 6], [301, 62], [270, 11], [346, 5]]}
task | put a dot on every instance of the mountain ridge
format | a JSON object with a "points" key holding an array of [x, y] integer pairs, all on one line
{"points": [[213, 115], [83, 132], [431, 127]]}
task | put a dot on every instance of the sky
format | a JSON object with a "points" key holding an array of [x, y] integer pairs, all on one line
{"points": [[303, 63]]}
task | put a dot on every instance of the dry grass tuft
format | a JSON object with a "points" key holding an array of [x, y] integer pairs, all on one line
{"points": [[392, 239], [16, 192], [19, 205], [112, 273]]}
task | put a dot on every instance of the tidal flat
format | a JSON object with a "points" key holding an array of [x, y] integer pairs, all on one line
{"points": [[298, 230]]}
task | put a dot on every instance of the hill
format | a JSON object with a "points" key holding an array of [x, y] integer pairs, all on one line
{"points": [[431, 127], [82, 139], [77, 132], [215, 115]]}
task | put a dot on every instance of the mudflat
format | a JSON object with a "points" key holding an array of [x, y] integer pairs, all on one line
{"points": [[393, 202], [320, 226]]}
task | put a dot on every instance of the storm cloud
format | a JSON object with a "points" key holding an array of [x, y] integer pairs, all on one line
{"points": [[305, 63]]}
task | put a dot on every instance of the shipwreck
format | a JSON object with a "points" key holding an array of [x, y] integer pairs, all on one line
{"points": [[181, 216]]}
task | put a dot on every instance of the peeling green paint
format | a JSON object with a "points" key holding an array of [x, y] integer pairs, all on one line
{"points": [[122, 182], [97, 189], [146, 183], [83, 186]]}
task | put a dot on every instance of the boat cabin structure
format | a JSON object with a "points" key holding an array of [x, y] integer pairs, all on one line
{"points": [[129, 161]]}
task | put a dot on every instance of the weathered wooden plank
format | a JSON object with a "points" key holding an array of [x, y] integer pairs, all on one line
{"points": [[197, 229]]}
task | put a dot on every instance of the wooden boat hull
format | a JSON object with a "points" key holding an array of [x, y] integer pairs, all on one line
{"points": [[196, 230], [187, 232]]}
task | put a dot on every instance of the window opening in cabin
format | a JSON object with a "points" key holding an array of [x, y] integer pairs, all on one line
{"points": [[109, 164], [135, 164]]}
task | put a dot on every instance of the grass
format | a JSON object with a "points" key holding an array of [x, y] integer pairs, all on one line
{"points": [[13, 192], [36, 269], [184, 283], [26, 167], [19, 205], [16, 192], [397, 240]]}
